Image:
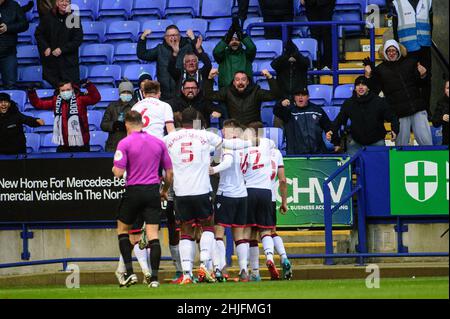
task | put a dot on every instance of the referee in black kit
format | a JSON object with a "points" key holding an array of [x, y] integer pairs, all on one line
{"points": [[141, 155]]}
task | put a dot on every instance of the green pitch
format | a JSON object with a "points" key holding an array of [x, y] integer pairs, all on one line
{"points": [[390, 288]]}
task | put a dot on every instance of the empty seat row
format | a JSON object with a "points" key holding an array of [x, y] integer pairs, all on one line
{"points": [[42, 143], [94, 118]]}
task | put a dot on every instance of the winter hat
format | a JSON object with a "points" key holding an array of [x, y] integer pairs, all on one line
{"points": [[361, 80], [144, 76], [392, 43], [301, 91], [125, 86], [5, 97]]}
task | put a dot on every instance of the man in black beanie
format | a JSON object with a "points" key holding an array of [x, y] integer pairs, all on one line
{"points": [[367, 113], [139, 92]]}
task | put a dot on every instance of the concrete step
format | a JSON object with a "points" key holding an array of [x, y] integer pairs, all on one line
{"points": [[351, 65], [380, 31], [308, 236], [343, 79], [359, 56]]}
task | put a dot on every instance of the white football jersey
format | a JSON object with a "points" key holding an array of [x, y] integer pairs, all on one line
{"points": [[276, 163], [256, 165], [189, 150], [155, 115], [232, 183]]}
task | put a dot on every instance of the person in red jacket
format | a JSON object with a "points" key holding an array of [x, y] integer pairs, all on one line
{"points": [[71, 127]]}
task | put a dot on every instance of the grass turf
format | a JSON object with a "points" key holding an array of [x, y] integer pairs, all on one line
{"points": [[390, 288]]}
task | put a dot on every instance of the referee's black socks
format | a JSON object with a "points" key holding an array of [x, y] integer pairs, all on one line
{"points": [[125, 251], [155, 257]]}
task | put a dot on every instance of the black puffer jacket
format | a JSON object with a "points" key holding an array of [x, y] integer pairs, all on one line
{"points": [[246, 106], [12, 15], [12, 139], [109, 117], [162, 54], [367, 115], [277, 7], [303, 128], [180, 103], [400, 82]]}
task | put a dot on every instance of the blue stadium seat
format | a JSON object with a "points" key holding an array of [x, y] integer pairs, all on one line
{"points": [[209, 46], [320, 94], [125, 52], [115, 8], [107, 74], [268, 49], [27, 37], [158, 28], [123, 31], [98, 141], [108, 96], [351, 5], [88, 8], [197, 25], [18, 96], [303, 31], [28, 54], [97, 53], [42, 94], [144, 9], [276, 135], [347, 16], [83, 72], [342, 93], [94, 31], [380, 3], [332, 111], [308, 47], [33, 142], [48, 117], [436, 134], [255, 33], [182, 8], [47, 145], [94, 119], [133, 71], [31, 74], [217, 28], [217, 8], [267, 116]]}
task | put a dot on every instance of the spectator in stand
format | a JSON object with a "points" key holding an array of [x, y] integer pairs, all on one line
{"points": [[321, 10], [12, 139], [44, 7], [58, 42], [71, 127], [441, 115], [113, 120], [276, 11], [304, 123], [242, 97], [12, 22], [399, 77], [162, 53], [241, 15], [190, 68], [292, 70], [191, 96], [139, 92], [413, 27], [367, 113]]}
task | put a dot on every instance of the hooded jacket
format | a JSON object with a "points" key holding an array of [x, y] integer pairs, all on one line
{"points": [[231, 61], [162, 54], [400, 82], [441, 109], [303, 128], [12, 139], [367, 115], [111, 115], [246, 106]]}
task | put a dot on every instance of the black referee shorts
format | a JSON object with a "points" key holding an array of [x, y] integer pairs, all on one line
{"points": [[140, 200]]}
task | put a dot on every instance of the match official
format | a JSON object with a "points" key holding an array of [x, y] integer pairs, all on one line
{"points": [[141, 155]]}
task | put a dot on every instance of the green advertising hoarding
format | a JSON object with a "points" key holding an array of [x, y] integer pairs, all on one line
{"points": [[419, 182], [305, 177]]}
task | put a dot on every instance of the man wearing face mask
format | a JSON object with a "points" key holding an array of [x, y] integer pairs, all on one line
{"points": [[71, 127], [113, 120], [242, 98], [367, 113]]}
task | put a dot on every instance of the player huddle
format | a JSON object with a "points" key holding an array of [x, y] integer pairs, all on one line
{"points": [[245, 199]]}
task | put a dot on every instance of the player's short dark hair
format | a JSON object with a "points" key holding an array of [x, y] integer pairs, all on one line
{"points": [[152, 87], [133, 117], [232, 123], [255, 125], [189, 115]]}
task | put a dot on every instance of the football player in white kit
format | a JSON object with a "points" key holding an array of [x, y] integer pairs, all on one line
{"points": [[230, 204], [257, 169]]}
